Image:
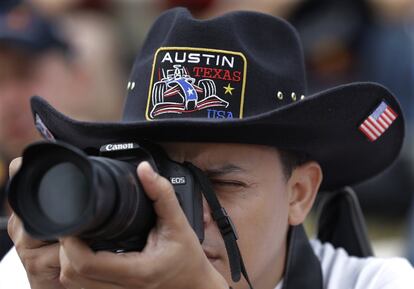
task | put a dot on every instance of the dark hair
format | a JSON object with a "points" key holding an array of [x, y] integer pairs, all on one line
{"points": [[292, 159]]}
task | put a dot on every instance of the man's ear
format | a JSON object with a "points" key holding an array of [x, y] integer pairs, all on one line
{"points": [[303, 186]]}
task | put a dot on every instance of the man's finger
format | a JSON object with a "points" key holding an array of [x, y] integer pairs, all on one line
{"points": [[43, 261], [161, 191], [14, 166], [102, 265], [70, 278], [19, 236]]}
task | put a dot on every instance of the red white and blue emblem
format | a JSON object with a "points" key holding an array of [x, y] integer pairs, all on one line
{"points": [[42, 128], [196, 82], [378, 121]]}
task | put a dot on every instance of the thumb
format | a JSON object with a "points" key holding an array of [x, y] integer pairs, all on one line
{"points": [[162, 193]]}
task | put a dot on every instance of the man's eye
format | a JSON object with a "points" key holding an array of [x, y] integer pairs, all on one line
{"points": [[228, 183]]}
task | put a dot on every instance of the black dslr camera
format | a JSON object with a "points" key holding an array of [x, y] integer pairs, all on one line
{"points": [[60, 191]]}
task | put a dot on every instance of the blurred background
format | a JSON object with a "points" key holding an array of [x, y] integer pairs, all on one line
{"points": [[78, 53]]}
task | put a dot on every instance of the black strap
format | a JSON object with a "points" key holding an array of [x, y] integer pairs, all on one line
{"points": [[225, 225], [341, 222], [302, 268]]}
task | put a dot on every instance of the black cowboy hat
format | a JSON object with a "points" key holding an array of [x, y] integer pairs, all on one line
{"points": [[240, 78]]}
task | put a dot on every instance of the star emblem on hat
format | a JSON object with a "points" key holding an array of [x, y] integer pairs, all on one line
{"points": [[228, 89]]}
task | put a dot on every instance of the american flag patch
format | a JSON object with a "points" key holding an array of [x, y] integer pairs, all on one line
{"points": [[378, 121]]}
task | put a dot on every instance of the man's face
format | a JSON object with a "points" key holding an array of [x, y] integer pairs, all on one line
{"points": [[23, 74], [16, 86], [250, 184]]}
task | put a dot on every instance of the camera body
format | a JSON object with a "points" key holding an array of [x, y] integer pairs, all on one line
{"points": [[60, 191]]}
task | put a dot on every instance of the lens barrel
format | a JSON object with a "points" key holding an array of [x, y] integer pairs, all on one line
{"points": [[61, 191]]}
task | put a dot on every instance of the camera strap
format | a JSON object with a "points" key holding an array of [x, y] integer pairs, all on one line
{"points": [[224, 223]]}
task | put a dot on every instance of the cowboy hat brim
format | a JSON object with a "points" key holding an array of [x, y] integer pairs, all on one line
{"points": [[325, 125]]}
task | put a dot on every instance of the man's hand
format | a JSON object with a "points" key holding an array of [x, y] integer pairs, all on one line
{"points": [[172, 258], [40, 259]]}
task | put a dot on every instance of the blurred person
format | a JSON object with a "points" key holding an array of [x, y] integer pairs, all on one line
{"points": [[74, 64], [25, 39], [26, 42], [97, 56], [265, 163]]}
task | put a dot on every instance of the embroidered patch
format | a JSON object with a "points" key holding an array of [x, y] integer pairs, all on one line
{"points": [[196, 82], [378, 121], [42, 128]]}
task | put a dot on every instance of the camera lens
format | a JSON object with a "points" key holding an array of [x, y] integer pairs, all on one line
{"points": [[63, 184], [61, 191]]}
